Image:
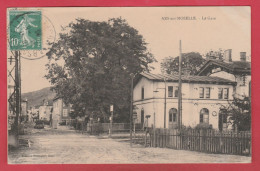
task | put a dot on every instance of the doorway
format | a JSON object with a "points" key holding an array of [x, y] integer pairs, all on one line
{"points": [[173, 118]]}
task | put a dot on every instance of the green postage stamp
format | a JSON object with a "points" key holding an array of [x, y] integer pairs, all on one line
{"points": [[25, 30]]}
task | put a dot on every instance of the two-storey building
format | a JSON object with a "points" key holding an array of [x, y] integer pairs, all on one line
{"points": [[202, 100], [237, 71], [45, 111], [60, 111]]}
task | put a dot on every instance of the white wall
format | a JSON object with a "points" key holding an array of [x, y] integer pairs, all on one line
{"points": [[225, 75], [240, 88], [148, 89], [57, 109], [44, 112], [191, 103]]}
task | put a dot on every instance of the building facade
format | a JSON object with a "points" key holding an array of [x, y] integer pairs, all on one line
{"points": [[45, 112], [202, 100], [237, 71], [60, 110]]}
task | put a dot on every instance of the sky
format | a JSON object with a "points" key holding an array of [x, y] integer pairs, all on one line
{"points": [[224, 27]]}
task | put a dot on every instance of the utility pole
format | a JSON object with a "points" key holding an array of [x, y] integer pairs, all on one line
{"points": [[20, 86], [131, 107], [180, 92], [17, 95], [111, 120], [153, 129], [164, 103]]}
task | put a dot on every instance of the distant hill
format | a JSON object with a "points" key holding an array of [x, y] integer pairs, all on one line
{"points": [[36, 98]]}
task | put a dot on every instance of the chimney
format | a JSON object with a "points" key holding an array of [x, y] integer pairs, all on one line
{"points": [[243, 56], [227, 55]]}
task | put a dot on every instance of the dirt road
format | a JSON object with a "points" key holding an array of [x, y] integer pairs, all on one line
{"points": [[63, 145]]}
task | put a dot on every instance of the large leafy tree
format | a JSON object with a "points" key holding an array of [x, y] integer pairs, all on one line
{"points": [[90, 66], [240, 113], [190, 64]]}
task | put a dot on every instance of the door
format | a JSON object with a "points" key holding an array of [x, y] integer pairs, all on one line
{"points": [[222, 120], [173, 118]]}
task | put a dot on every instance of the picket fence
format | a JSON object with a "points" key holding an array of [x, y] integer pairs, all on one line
{"points": [[209, 141], [97, 128]]}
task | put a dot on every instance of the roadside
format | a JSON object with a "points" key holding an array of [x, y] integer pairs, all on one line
{"points": [[64, 145]]}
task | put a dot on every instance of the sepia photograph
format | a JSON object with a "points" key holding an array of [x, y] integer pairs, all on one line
{"points": [[129, 85]]}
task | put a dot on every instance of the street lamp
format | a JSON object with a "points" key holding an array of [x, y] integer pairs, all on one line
{"points": [[164, 124]]}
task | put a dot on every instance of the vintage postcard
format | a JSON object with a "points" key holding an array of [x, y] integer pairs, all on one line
{"points": [[129, 85]]}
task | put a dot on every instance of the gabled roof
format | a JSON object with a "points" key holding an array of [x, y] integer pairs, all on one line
{"points": [[186, 79], [235, 67]]}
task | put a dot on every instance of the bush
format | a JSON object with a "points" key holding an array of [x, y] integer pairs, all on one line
{"points": [[45, 122], [63, 122], [203, 126]]}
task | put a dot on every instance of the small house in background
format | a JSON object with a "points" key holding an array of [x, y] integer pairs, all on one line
{"points": [[236, 71], [60, 110], [24, 110], [34, 113], [202, 100], [45, 110]]}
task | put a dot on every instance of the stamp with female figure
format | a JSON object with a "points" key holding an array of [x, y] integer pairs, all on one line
{"points": [[25, 30]]}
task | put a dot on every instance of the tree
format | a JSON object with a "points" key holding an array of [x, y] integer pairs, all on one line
{"points": [[215, 54], [239, 113], [191, 62], [90, 65]]}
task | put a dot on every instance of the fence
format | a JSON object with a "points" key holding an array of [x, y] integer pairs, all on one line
{"points": [[209, 141], [97, 128]]}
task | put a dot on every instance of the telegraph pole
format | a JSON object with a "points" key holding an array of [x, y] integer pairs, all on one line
{"points": [[180, 92], [164, 103], [111, 120], [20, 87], [17, 95]]}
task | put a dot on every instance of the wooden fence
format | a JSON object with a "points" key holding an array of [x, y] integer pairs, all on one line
{"points": [[97, 128], [209, 141]]}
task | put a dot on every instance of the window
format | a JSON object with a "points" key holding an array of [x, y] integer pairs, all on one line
{"points": [[170, 117], [174, 119], [170, 91], [220, 93], [65, 112], [207, 92], [244, 80], [201, 92], [226, 93], [176, 92], [142, 93], [204, 115]]}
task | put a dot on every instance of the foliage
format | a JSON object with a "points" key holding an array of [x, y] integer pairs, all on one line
{"points": [[215, 54], [190, 64], [90, 66], [203, 126], [240, 113]]}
